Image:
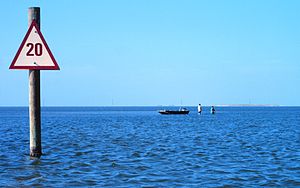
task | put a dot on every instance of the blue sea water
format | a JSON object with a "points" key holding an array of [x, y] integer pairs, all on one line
{"points": [[137, 147]]}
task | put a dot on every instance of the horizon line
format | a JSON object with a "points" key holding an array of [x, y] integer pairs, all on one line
{"points": [[221, 105]]}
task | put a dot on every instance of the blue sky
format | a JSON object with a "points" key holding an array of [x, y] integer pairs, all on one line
{"points": [[156, 52]]}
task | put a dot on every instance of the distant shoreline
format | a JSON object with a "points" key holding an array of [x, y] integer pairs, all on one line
{"points": [[158, 106], [248, 105]]}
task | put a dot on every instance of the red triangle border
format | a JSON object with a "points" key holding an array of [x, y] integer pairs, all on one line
{"points": [[55, 67]]}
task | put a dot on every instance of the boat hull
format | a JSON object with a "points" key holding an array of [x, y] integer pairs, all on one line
{"points": [[172, 112]]}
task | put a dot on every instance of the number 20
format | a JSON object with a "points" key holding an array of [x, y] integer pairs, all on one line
{"points": [[34, 49]]}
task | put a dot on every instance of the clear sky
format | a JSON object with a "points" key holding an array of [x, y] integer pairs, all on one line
{"points": [[158, 52]]}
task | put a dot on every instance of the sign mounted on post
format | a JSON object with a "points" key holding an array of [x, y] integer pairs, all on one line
{"points": [[34, 53]]}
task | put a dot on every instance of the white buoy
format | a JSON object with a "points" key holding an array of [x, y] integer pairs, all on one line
{"points": [[199, 108]]}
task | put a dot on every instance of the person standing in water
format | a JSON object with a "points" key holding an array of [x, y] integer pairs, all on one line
{"points": [[212, 110], [199, 108]]}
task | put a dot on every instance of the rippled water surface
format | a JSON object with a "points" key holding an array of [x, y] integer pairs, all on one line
{"points": [[137, 147]]}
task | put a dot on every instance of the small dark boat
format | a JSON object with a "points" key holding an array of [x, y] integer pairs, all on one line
{"points": [[169, 112]]}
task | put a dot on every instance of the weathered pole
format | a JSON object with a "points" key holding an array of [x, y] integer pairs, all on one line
{"points": [[34, 97]]}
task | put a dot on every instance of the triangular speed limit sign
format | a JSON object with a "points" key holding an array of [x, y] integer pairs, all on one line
{"points": [[34, 53]]}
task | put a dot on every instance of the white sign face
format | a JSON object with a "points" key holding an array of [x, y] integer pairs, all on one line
{"points": [[34, 52]]}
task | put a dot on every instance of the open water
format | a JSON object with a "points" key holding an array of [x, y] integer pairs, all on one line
{"points": [[137, 147]]}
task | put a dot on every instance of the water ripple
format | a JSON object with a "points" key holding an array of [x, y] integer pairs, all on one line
{"points": [[238, 147]]}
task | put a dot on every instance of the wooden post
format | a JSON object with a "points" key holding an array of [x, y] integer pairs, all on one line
{"points": [[34, 97]]}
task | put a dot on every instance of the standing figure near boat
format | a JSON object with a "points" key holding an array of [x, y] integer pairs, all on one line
{"points": [[199, 108], [212, 110]]}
